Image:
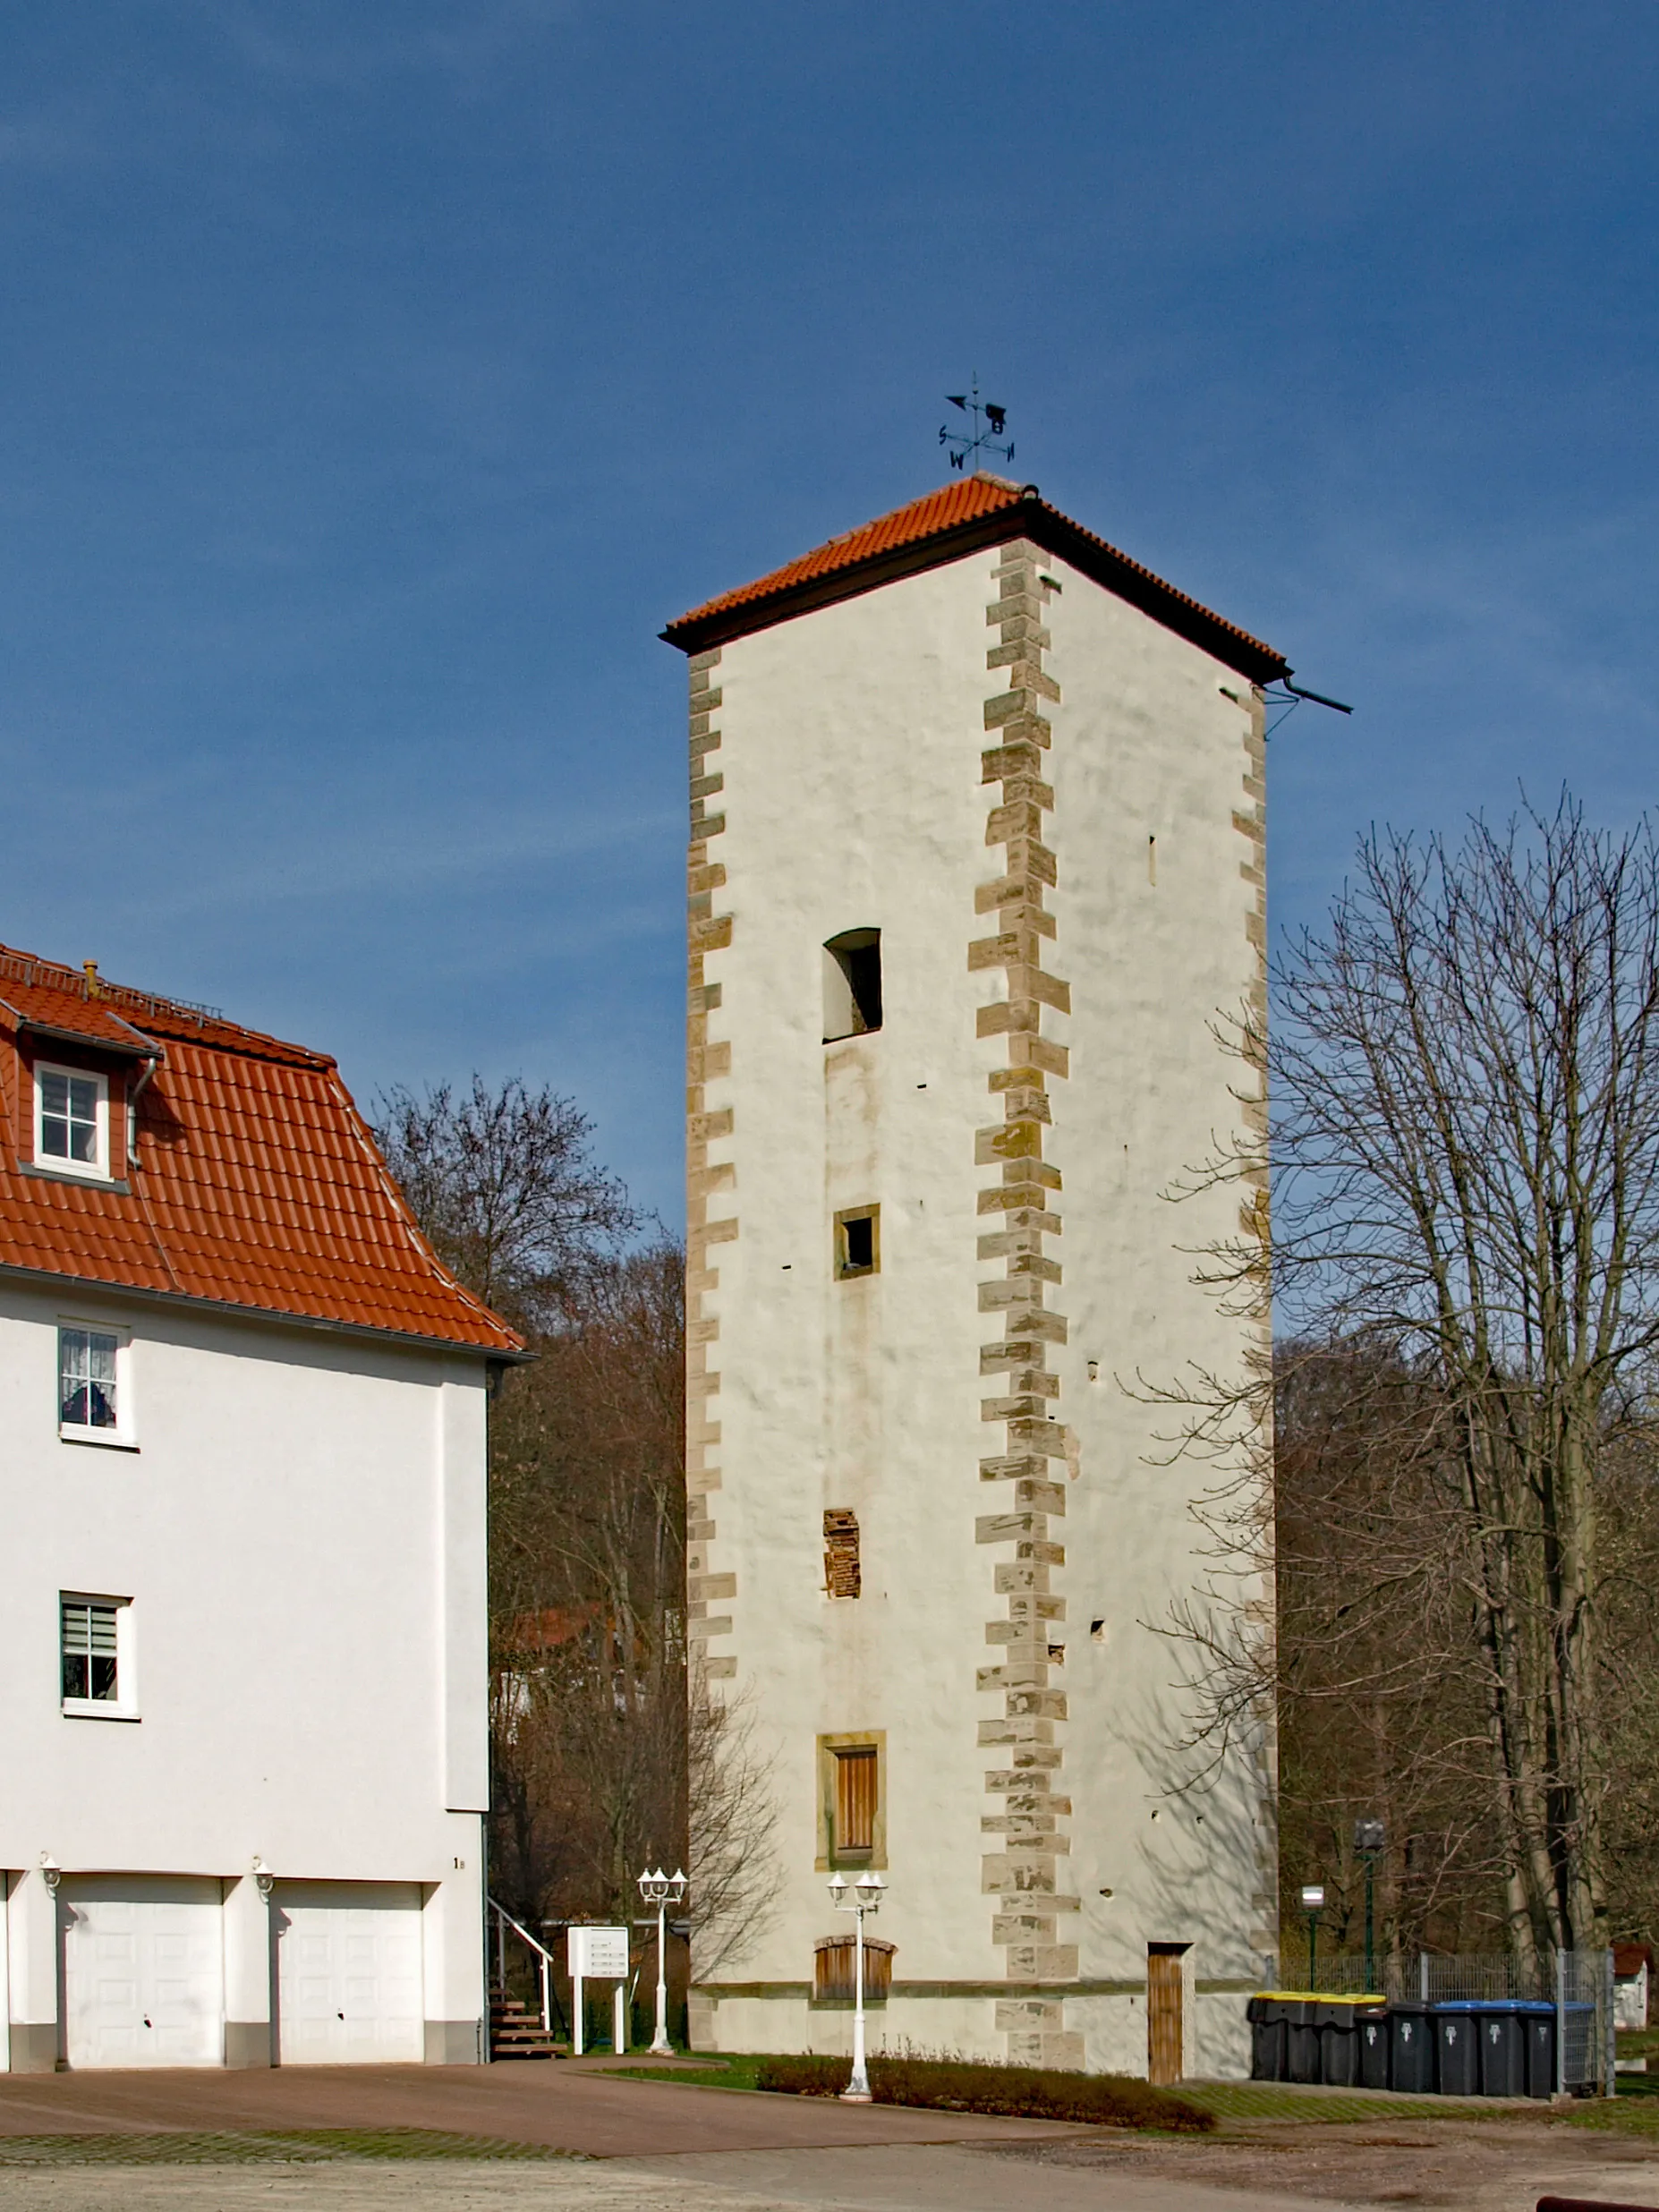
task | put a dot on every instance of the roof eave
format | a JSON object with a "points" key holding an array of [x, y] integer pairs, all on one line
{"points": [[1029, 516], [275, 1316]]}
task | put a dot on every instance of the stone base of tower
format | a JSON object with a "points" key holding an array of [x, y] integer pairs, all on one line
{"points": [[1095, 2031]]}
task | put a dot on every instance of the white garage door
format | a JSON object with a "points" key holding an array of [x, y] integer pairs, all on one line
{"points": [[348, 1972], [143, 1970]]}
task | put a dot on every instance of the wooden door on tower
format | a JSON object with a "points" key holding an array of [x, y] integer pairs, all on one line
{"points": [[1163, 2012]]}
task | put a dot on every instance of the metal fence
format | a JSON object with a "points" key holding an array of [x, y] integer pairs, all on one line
{"points": [[1579, 1984]]}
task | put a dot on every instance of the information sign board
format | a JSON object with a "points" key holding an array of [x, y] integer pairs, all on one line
{"points": [[598, 1953]]}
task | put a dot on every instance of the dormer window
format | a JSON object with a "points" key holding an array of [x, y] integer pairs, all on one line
{"points": [[72, 1121]]}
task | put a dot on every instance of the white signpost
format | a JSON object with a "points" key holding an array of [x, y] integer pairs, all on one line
{"points": [[598, 1954]]}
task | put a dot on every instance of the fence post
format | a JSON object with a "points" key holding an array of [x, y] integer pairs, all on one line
{"points": [[1610, 2034], [1422, 1974], [1560, 2023]]}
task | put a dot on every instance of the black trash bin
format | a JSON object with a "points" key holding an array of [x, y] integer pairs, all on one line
{"points": [[1267, 2032], [1305, 2057], [1538, 2031], [1338, 2042], [1457, 2047], [1373, 2021], [1411, 2049], [1503, 2048]]}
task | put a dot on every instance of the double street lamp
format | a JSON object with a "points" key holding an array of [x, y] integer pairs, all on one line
{"points": [[662, 1890], [866, 1896]]}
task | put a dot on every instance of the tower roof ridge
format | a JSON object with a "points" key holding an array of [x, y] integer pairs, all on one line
{"points": [[943, 525]]}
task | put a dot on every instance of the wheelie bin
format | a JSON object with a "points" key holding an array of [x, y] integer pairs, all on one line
{"points": [[1267, 2032], [1411, 2049], [1539, 2028], [1373, 2046], [1340, 2020], [1503, 2048], [1457, 2047], [1304, 2058]]}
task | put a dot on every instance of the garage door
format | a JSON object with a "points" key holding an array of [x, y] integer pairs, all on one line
{"points": [[348, 1972], [143, 1970]]}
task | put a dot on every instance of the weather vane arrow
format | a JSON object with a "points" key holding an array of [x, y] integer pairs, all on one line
{"points": [[989, 421]]}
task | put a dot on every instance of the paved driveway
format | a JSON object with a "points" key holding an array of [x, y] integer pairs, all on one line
{"points": [[558, 2107]]}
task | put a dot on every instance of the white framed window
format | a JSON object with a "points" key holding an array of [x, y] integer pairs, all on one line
{"points": [[71, 1121], [95, 1657], [94, 1384]]}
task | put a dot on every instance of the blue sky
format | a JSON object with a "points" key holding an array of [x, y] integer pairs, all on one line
{"points": [[377, 380]]}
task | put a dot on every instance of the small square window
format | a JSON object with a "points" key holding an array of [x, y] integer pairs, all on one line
{"points": [[858, 1242], [72, 1121], [94, 1399], [95, 1656]]}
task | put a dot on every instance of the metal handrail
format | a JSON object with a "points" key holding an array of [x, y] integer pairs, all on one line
{"points": [[544, 1958]]}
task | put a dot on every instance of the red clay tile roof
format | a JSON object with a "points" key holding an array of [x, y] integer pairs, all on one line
{"points": [[944, 526], [257, 1184]]}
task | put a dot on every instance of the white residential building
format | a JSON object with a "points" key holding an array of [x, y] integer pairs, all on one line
{"points": [[242, 1598], [977, 858]]}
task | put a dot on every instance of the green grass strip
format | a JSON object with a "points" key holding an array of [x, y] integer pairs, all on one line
{"points": [[264, 2147]]}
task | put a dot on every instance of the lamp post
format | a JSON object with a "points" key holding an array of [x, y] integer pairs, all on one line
{"points": [[1370, 1842], [1313, 1904], [868, 1892], [662, 1890]]}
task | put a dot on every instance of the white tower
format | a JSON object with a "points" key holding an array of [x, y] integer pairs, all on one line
{"points": [[977, 854]]}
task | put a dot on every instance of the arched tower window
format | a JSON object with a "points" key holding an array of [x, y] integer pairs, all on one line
{"points": [[852, 984]]}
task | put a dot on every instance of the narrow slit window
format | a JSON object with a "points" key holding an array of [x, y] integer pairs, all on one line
{"points": [[852, 984], [91, 1673], [843, 1575], [857, 1242], [855, 1801]]}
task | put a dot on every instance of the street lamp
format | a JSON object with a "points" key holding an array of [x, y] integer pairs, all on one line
{"points": [[1313, 1904], [1370, 1842], [868, 1892], [662, 1890]]}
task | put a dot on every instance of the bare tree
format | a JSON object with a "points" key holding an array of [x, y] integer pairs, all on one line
{"points": [[506, 1188], [735, 1876], [602, 1739], [1467, 1155]]}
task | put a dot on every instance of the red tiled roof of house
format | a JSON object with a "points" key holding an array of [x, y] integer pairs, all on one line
{"points": [[258, 1183], [944, 526]]}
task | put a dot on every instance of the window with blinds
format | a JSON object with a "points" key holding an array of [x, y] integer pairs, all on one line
{"points": [[89, 1634], [854, 1801]]}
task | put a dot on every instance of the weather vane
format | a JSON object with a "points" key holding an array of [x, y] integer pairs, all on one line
{"points": [[984, 438]]}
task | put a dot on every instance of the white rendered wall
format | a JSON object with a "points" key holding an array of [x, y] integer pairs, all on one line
{"points": [[301, 1533], [850, 743]]}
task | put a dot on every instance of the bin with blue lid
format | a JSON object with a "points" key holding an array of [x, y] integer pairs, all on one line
{"points": [[1503, 2046], [1457, 2047]]}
